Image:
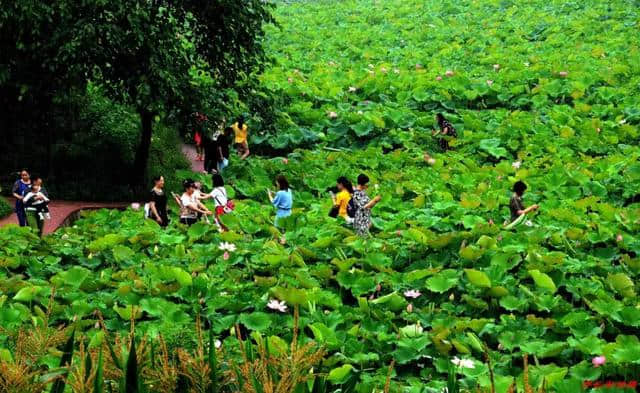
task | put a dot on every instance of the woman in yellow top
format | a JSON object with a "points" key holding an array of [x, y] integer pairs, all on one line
{"points": [[241, 132], [345, 189]]}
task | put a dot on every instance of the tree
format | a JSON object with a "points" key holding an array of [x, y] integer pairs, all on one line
{"points": [[141, 51]]}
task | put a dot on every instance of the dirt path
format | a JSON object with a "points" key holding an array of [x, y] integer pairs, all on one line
{"points": [[61, 210], [190, 152]]}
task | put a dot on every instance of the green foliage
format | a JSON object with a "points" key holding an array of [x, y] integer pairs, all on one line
{"points": [[5, 208]]}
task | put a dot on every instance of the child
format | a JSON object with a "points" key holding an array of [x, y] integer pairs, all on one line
{"points": [[241, 131], [222, 202], [283, 201], [36, 200], [515, 204]]}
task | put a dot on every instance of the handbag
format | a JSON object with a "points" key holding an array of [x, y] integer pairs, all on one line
{"points": [[333, 213]]}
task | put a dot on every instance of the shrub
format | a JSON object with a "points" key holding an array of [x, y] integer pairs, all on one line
{"points": [[5, 208]]}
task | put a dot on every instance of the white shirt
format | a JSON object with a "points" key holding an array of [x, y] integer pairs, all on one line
{"points": [[219, 195], [188, 201], [34, 195]]}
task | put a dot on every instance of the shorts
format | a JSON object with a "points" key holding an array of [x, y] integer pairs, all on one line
{"points": [[188, 220], [223, 164]]}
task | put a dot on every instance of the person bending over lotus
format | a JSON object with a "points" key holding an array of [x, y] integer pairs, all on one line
{"points": [[446, 129], [515, 204]]}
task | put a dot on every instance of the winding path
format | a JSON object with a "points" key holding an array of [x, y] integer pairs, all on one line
{"points": [[61, 210]]}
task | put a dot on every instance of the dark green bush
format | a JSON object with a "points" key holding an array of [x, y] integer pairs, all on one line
{"points": [[5, 208], [93, 160]]}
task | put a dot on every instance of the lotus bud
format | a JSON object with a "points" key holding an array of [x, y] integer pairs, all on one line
{"points": [[155, 248], [598, 361], [449, 73], [489, 82], [201, 300], [431, 161], [194, 274], [396, 71], [332, 115], [135, 206], [438, 78], [598, 130], [370, 65], [619, 238], [360, 112], [419, 66], [410, 308], [217, 344], [452, 297], [563, 74], [225, 256], [90, 256], [383, 70], [490, 222], [285, 161], [500, 347], [97, 325], [290, 79], [496, 67], [75, 318], [352, 89]]}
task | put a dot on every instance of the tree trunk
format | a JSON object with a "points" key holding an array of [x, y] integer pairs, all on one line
{"points": [[142, 154]]}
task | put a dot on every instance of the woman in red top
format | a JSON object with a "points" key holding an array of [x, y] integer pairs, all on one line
{"points": [[197, 135]]}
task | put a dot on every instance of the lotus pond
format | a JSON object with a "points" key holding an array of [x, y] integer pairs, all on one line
{"points": [[440, 279]]}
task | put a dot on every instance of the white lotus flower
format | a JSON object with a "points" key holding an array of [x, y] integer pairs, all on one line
{"points": [[623, 121], [217, 343], [516, 164], [277, 305], [528, 223], [332, 115], [383, 70], [224, 246], [496, 67], [526, 64], [463, 363], [396, 71], [412, 294], [370, 65], [489, 82], [360, 112], [352, 89]]}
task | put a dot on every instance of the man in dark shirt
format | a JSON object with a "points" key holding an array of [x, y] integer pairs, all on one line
{"points": [[211, 154], [515, 204]]}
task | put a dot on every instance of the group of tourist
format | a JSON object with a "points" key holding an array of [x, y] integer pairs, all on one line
{"points": [[354, 205], [351, 204], [213, 148], [32, 201]]}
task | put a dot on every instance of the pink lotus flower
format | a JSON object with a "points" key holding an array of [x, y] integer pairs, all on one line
{"points": [[135, 206], [410, 307], [496, 67], [226, 256], [332, 115], [619, 238], [490, 221], [438, 78], [449, 73], [489, 82], [598, 361], [285, 161], [413, 294], [277, 305], [563, 74], [290, 79]]}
